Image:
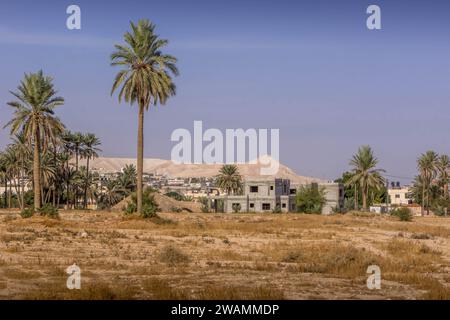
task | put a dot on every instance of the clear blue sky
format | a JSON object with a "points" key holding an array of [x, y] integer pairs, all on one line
{"points": [[310, 68]]}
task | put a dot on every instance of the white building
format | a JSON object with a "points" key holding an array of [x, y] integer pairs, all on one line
{"points": [[399, 196]]}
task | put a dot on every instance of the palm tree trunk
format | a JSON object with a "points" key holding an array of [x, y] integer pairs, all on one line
{"points": [[17, 189], [37, 169], [364, 199], [6, 192], [356, 197], [87, 183], [422, 209], [140, 157], [9, 195], [22, 194]]}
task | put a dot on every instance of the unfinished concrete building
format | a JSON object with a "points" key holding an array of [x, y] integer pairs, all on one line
{"points": [[278, 195]]}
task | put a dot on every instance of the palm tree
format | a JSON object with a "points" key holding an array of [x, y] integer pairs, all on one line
{"points": [[229, 179], [89, 151], [365, 173], [3, 176], [77, 146], [34, 115], [127, 178], [21, 156], [111, 195], [145, 79], [427, 168], [9, 162], [443, 167]]}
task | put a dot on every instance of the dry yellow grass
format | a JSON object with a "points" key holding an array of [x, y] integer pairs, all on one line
{"points": [[223, 256]]}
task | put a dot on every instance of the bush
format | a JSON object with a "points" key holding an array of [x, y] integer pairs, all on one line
{"points": [[175, 195], [236, 207], [150, 209], [149, 205], [49, 211], [277, 209], [176, 210], [173, 256], [27, 213], [205, 204], [403, 213], [130, 208], [310, 199], [441, 207]]}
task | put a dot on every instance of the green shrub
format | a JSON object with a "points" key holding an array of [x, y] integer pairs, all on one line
{"points": [[236, 207], [175, 195], [130, 208], [403, 213], [149, 210], [205, 204], [176, 210], [277, 209], [49, 211], [149, 205], [310, 199], [27, 213], [178, 196]]}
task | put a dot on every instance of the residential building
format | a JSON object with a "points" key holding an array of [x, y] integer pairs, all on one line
{"points": [[399, 196], [262, 195]]}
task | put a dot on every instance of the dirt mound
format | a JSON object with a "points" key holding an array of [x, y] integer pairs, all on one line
{"points": [[165, 203]]}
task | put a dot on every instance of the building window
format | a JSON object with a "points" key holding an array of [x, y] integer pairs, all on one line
{"points": [[293, 191], [266, 206], [254, 189], [283, 205], [252, 205], [397, 196], [271, 187]]}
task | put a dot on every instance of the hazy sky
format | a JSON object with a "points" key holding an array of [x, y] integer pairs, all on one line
{"points": [[310, 68]]}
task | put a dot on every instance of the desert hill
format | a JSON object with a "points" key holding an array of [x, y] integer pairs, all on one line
{"points": [[174, 170]]}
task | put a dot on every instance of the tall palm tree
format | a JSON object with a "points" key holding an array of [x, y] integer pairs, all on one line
{"points": [[229, 179], [89, 151], [427, 168], [34, 115], [77, 145], [145, 79], [365, 173]]}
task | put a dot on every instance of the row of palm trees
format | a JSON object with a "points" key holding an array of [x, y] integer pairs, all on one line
{"points": [[58, 178], [42, 140], [431, 185]]}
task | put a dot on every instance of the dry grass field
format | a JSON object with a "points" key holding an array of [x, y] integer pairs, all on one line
{"points": [[223, 256]]}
